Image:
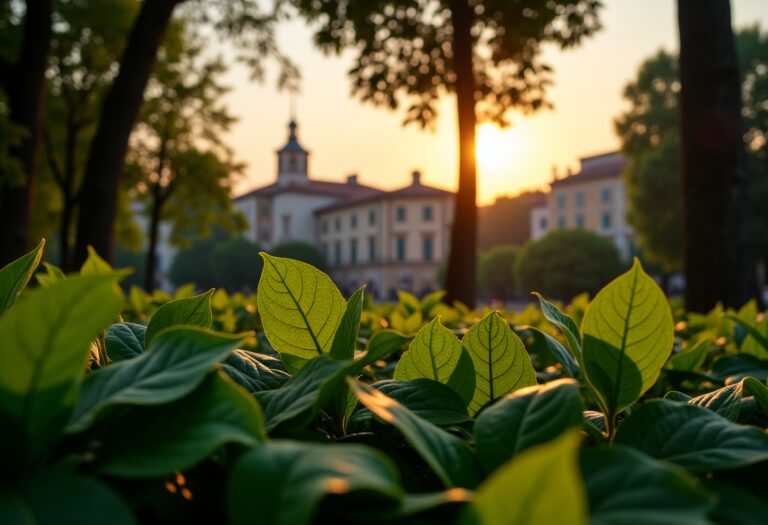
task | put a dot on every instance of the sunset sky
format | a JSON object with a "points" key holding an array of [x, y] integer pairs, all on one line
{"points": [[346, 136]]}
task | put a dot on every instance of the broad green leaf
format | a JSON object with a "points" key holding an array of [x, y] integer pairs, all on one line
{"points": [[15, 276], [628, 334], [178, 435], [625, 486], [255, 372], [450, 458], [528, 417], [690, 436], [285, 482], [45, 342], [192, 311], [759, 391], [427, 399], [300, 309], [94, 264], [381, 345], [409, 301], [736, 506], [408, 323], [436, 353], [124, 341], [540, 487], [180, 359], [725, 401], [562, 322], [345, 338], [558, 351], [56, 498], [756, 343], [52, 275], [734, 368], [692, 358], [502, 364]]}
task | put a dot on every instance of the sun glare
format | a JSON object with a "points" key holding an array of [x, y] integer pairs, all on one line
{"points": [[500, 159], [494, 147]]}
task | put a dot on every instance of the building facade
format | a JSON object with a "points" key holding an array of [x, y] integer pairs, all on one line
{"points": [[593, 199], [388, 240]]}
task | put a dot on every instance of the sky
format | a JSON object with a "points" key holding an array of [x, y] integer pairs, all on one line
{"points": [[346, 136]]}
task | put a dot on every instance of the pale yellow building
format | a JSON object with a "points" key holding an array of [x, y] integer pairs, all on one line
{"points": [[593, 199], [390, 241]]}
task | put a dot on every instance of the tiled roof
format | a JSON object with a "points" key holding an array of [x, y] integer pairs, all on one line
{"points": [[605, 166], [314, 187], [415, 190]]}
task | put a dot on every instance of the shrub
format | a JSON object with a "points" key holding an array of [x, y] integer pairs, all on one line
{"points": [[497, 271], [236, 265], [301, 251], [566, 263]]}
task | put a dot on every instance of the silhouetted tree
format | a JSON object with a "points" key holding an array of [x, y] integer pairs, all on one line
{"points": [[23, 60], [301, 251], [497, 271], [237, 265], [719, 260], [487, 53]]}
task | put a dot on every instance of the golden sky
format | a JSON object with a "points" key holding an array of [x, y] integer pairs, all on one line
{"points": [[346, 136]]}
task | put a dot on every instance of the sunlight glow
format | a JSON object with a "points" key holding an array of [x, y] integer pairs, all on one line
{"points": [[502, 157]]}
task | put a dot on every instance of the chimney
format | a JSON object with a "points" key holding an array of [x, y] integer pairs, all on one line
{"points": [[352, 179], [416, 178]]}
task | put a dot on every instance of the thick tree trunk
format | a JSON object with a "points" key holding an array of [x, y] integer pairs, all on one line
{"points": [[460, 277], [718, 260], [24, 82], [101, 182]]}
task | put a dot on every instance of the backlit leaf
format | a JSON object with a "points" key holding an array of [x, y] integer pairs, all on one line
{"points": [[192, 311], [15, 276]]}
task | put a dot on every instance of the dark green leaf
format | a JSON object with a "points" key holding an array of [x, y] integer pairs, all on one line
{"points": [[690, 436], [690, 359], [193, 311], [428, 399], [179, 360], [625, 486], [562, 322], [759, 391], [381, 345], [725, 401], [530, 416], [124, 341], [736, 506], [15, 276], [558, 351], [345, 338], [255, 372], [734, 368]]}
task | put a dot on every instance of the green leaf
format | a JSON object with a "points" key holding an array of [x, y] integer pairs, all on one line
{"points": [[690, 436], [345, 338], [124, 341], [734, 368], [178, 435], [52, 275], [692, 358], [381, 345], [556, 348], [628, 335], [501, 362], [540, 487], [436, 353], [193, 311], [45, 342], [178, 362], [625, 486], [736, 506], [562, 322], [759, 391], [59, 498], [285, 482], [528, 417], [755, 333], [725, 401], [300, 309], [255, 372], [449, 457], [15, 276], [95, 265]]}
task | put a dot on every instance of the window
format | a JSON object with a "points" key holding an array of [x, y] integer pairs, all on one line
{"points": [[561, 222], [353, 221], [605, 194], [372, 217], [337, 253], [337, 224], [428, 242], [371, 249], [579, 197], [580, 220], [400, 248], [427, 213], [561, 201], [286, 225], [543, 223], [400, 214], [606, 220], [353, 251]]}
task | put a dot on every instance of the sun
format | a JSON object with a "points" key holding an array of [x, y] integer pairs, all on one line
{"points": [[494, 148]]}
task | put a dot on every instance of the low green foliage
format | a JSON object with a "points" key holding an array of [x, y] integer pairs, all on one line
{"points": [[606, 412]]}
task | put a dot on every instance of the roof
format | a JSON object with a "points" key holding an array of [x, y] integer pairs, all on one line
{"points": [[314, 187], [292, 146], [595, 167], [414, 190]]}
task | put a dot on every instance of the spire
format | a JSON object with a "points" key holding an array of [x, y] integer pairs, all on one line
{"points": [[292, 159]]}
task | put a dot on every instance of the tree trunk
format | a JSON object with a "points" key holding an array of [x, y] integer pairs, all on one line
{"points": [[154, 228], [460, 277], [24, 82], [718, 259], [101, 182], [68, 194]]}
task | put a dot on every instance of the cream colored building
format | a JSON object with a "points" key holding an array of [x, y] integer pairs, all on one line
{"points": [[391, 241], [593, 199]]}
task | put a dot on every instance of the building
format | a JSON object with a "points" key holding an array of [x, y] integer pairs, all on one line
{"points": [[507, 220], [388, 240], [593, 199]]}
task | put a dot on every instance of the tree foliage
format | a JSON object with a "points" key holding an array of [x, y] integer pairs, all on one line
{"points": [[565, 263], [236, 265], [497, 271], [301, 251]]}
